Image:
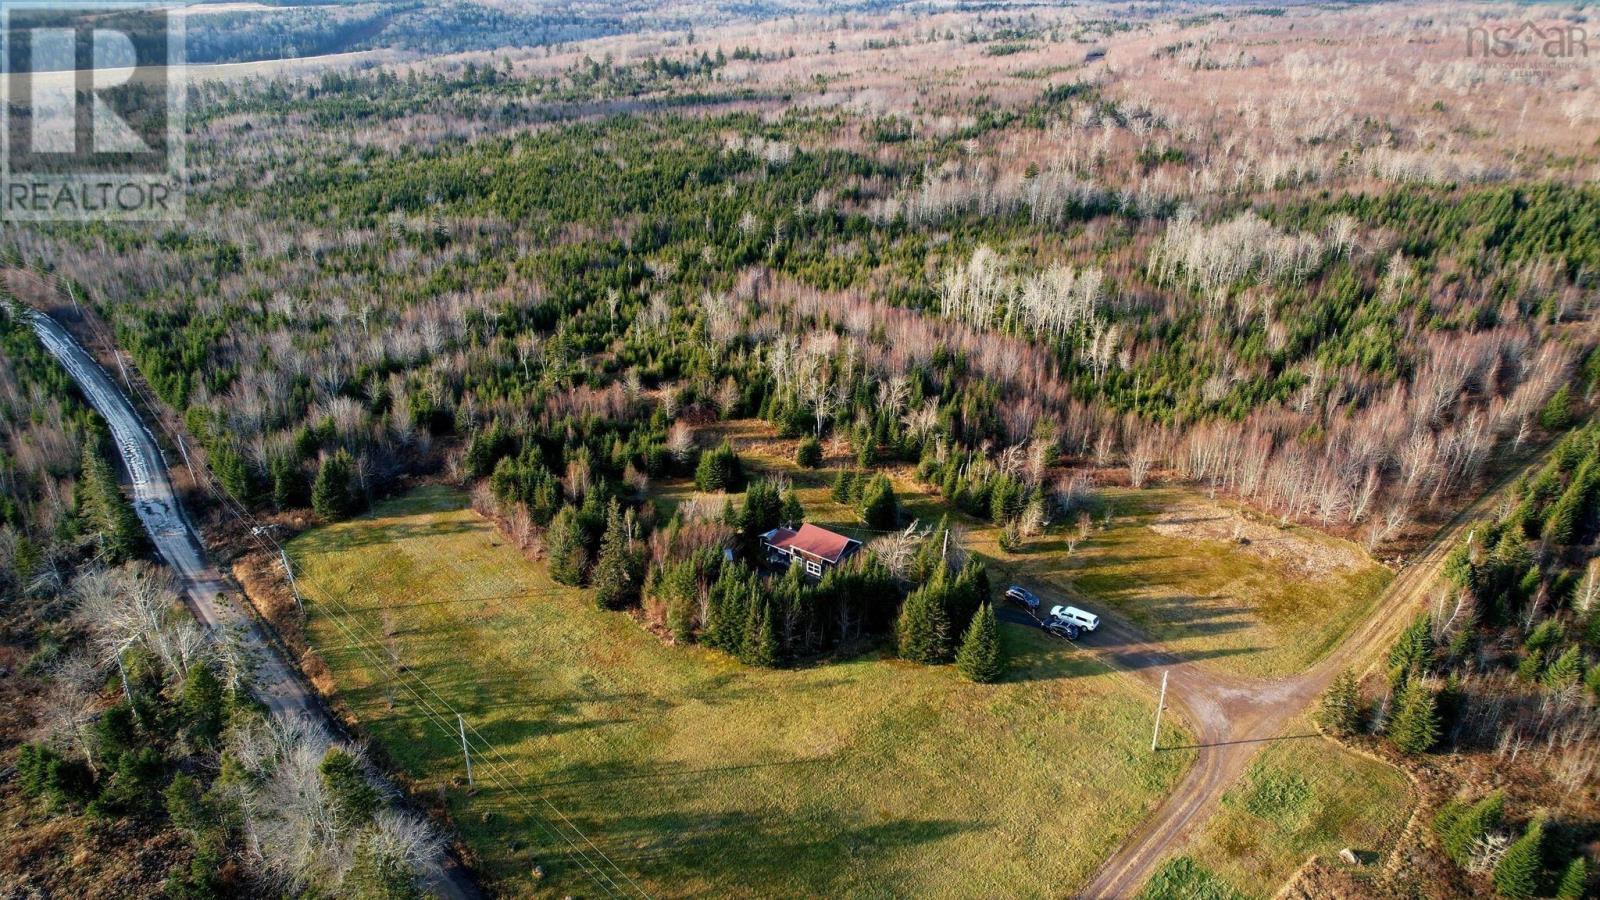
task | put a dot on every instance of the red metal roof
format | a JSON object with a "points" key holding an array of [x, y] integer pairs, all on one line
{"points": [[812, 541]]}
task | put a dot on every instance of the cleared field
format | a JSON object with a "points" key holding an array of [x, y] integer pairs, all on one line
{"points": [[1263, 607], [1304, 796], [698, 776]]}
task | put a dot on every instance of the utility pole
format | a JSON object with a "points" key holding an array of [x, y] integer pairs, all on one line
{"points": [[1160, 705], [288, 570], [944, 551], [465, 753], [126, 693]]}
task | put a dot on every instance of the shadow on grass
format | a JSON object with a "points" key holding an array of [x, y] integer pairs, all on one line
{"points": [[334, 540], [1038, 656], [1266, 740], [761, 853]]}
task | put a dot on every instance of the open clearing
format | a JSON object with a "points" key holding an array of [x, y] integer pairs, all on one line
{"points": [[1303, 796], [1267, 607], [700, 776]]}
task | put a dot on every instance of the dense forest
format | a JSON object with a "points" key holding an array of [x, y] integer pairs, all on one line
{"points": [[555, 275], [133, 728]]}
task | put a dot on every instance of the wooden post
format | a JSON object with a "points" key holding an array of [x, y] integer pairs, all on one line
{"points": [[465, 753], [1160, 705]]}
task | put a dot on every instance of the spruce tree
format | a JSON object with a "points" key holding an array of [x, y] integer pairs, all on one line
{"points": [[719, 470], [354, 799], [1565, 671], [1415, 726], [616, 573], [1413, 650], [1516, 877], [1557, 412], [203, 705], [564, 544], [1340, 712], [764, 641], [980, 657], [332, 495], [923, 631], [1574, 883], [809, 454], [793, 512], [1459, 826], [879, 508], [110, 515]]}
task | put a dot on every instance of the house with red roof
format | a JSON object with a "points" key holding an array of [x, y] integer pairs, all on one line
{"points": [[818, 549]]}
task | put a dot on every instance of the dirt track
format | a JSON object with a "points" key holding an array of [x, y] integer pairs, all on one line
{"points": [[206, 590], [1234, 718]]}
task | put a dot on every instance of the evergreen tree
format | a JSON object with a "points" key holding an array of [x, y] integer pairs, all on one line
{"points": [[763, 640], [202, 705], [719, 470], [353, 798], [1415, 726], [879, 508], [923, 631], [1565, 671], [111, 516], [564, 544], [333, 495], [762, 510], [1557, 412], [1340, 712], [232, 471], [1574, 883], [377, 875], [616, 573], [289, 489], [1516, 877], [1459, 825], [1412, 652], [980, 658], [809, 454], [793, 512]]}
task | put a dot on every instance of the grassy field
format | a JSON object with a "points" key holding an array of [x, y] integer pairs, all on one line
{"points": [[1303, 796], [698, 776], [1206, 598]]}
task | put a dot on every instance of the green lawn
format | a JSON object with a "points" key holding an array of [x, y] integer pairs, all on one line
{"points": [[1245, 613], [699, 776], [1304, 796]]}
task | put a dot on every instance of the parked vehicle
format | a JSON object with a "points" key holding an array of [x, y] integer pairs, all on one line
{"points": [[1087, 621], [1068, 630], [1023, 597]]}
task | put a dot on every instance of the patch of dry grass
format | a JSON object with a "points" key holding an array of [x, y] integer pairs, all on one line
{"points": [[700, 776]]}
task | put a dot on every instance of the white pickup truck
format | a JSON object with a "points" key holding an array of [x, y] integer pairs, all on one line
{"points": [[1087, 621]]}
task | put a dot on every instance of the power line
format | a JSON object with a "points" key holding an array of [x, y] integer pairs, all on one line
{"points": [[594, 870]]}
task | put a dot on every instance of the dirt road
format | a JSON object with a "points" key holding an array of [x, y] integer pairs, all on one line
{"points": [[1234, 718], [205, 589]]}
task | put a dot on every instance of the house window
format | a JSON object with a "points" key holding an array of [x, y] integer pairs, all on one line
{"points": [[813, 568]]}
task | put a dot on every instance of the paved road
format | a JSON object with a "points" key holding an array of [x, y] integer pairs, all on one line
{"points": [[1234, 718], [205, 588]]}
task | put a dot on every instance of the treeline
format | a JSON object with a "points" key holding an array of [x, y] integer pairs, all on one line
{"points": [[60, 496], [267, 806], [1505, 667], [131, 719]]}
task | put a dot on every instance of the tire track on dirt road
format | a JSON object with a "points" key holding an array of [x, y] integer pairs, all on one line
{"points": [[1233, 718], [205, 589]]}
